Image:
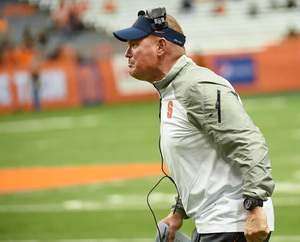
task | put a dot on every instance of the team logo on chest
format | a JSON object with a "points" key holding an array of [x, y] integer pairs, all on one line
{"points": [[170, 109]]}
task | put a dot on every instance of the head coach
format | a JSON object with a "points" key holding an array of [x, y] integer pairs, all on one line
{"points": [[216, 156]]}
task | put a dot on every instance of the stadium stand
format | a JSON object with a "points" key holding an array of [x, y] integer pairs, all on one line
{"points": [[206, 30], [69, 48]]}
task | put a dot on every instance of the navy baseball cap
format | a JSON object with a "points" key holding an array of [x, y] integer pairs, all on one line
{"points": [[142, 27]]}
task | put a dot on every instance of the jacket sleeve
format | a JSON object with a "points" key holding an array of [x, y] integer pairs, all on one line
{"points": [[217, 110], [178, 207]]}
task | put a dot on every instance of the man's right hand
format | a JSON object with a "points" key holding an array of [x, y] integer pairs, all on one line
{"points": [[174, 221]]}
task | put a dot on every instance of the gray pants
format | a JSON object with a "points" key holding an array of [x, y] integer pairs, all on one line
{"points": [[221, 237]]}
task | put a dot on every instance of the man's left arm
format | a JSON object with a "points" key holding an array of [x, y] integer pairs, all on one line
{"points": [[222, 116]]}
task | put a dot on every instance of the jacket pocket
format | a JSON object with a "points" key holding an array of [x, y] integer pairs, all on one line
{"points": [[206, 210]]}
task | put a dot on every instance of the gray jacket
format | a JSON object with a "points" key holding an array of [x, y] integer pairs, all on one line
{"points": [[214, 152]]}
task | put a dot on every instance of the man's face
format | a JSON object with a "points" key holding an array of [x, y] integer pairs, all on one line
{"points": [[142, 58]]}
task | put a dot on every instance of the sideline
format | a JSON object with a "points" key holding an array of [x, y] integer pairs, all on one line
{"points": [[51, 123], [29, 179]]}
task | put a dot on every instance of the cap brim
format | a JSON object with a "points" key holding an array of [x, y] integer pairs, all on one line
{"points": [[129, 34]]}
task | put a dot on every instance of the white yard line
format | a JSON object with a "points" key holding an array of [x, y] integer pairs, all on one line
{"points": [[272, 103], [114, 202], [283, 238], [81, 206], [118, 202], [286, 202], [38, 125], [287, 187]]}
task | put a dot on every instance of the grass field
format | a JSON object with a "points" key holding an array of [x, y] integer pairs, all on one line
{"points": [[119, 134]]}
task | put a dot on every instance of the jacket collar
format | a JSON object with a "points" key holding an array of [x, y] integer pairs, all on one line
{"points": [[178, 66]]}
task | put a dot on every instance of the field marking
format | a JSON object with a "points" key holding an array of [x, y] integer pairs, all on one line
{"points": [[287, 187], [273, 103], [117, 202], [110, 203], [25, 179], [286, 202], [28, 179], [38, 125], [285, 238]]}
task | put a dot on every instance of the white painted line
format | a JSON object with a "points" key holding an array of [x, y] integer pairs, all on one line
{"points": [[38, 208], [38, 125], [272, 103], [125, 203], [114, 202], [286, 202], [282, 238], [132, 202], [287, 187]]}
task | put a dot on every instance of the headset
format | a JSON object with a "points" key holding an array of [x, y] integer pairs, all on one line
{"points": [[160, 26], [157, 17]]}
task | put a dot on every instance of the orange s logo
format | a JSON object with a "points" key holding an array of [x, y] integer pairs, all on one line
{"points": [[170, 109]]}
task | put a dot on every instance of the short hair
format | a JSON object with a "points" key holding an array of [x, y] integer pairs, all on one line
{"points": [[173, 24]]}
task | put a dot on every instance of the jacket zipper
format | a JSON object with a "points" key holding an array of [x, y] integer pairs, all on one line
{"points": [[161, 154], [218, 105]]}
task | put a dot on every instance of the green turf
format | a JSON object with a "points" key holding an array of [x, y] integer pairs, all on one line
{"points": [[121, 134], [109, 134]]}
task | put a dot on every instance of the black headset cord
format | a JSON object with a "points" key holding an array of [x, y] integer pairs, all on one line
{"points": [[171, 179]]}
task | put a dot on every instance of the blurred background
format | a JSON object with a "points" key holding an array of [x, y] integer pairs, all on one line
{"points": [[67, 100]]}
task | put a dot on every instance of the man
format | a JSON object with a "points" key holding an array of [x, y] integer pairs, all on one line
{"points": [[216, 156]]}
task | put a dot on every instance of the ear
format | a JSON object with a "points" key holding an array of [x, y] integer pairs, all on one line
{"points": [[161, 46]]}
